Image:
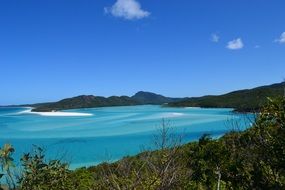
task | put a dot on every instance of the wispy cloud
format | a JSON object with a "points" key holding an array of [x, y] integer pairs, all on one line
{"points": [[281, 39], [235, 44], [127, 9], [215, 38]]}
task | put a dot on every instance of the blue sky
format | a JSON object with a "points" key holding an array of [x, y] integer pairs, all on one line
{"points": [[53, 49]]}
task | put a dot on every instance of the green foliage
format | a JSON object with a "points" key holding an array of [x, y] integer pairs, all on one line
{"points": [[6, 162], [253, 159], [86, 102], [41, 175], [242, 101], [152, 98], [82, 179]]}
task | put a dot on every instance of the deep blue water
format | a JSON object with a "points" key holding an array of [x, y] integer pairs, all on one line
{"points": [[109, 133]]}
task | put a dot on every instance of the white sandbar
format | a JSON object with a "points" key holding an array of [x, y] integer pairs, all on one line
{"points": [[55, 113], [61, 114]]}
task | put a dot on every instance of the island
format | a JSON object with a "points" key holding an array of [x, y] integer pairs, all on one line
{"points": [[247, 100]]}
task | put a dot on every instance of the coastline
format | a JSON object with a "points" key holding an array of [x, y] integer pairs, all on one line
{"points": [[55, 113]]}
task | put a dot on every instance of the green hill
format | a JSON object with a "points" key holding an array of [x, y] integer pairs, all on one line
{"points": [[152, 98], [242, 100], [90, 101], [85, 101]]}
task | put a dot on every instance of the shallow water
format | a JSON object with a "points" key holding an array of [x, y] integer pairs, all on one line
{"points": [[106, 133]]}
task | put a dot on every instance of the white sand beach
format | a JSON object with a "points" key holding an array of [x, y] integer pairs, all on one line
{"points": [[62, 114], [55, 113]]}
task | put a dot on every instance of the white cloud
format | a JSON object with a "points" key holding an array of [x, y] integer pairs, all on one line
{"points": [[127, 9], [215, 38], [235, 44], [281, 39]]}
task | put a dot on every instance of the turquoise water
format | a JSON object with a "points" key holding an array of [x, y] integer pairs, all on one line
{"points": [[109, 133]]}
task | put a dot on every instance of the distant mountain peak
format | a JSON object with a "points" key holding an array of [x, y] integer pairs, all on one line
{"points": [[146, 93], [144, 97]]}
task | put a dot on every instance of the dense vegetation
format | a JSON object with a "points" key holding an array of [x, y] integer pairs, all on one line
{"points": [[86, 102], [152, 98], [91, 101], [251, 159], [242, 100]]}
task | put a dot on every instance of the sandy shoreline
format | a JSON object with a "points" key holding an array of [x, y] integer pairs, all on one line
{"points": [[56, 113]]}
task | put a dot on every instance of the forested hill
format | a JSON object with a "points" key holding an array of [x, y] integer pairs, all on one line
{"points": [[90, 101], [242, 100], [152, 98], [86, 101]]}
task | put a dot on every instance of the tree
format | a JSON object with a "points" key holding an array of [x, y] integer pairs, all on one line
{"points": [[7, 163], [166, 162], [41, 175], [160, 169]]}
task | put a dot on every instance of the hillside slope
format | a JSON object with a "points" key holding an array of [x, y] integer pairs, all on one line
{"points": [[242, 100], [86, 101], [90, 101], [152, 98]]}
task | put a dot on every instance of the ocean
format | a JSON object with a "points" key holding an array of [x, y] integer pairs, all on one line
{"points": [[85, 137]]}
